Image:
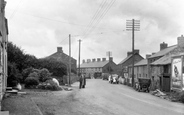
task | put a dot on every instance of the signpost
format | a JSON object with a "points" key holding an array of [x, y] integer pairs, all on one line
{"points": [[177, 77]]}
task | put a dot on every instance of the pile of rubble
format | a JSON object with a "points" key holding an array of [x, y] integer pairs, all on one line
{"points": [[160, 94], [171, 96]]}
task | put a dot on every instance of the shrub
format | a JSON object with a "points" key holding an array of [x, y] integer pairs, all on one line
{"points": [[181, 97], [13, 75], [51, 85], [26, 72], [34, 74], [31, 82], [44, 75]]}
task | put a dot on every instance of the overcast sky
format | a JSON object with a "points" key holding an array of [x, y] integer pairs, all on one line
{"points": [[40, 26]]}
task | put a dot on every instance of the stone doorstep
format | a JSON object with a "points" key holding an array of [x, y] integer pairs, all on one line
{"points": [[4, 112]]}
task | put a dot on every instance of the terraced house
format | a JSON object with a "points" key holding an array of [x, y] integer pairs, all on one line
{"points": [[3, 51], [157, 67], [96, 67]]}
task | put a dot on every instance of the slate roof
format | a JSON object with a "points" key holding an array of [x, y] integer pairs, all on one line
{"points": [[163, 60], [126, 59], [164, 51], [142, 62], [94, 64]]}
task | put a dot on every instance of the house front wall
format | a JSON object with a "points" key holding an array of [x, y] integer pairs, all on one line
{"points": [[90, 71], [123, 68], [3, 52], [156, 74], [110, 67]]}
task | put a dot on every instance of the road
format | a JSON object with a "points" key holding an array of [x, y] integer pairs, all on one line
{"points": [[113, 99], [102, 98]]}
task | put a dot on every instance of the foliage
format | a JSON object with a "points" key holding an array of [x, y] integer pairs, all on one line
{"points": [[13, 75], [31, 82], [57, 68], [15, 55], [44, 74], [34, 74], [26, 72], [49, 85], [25, 63], [181, 97]]}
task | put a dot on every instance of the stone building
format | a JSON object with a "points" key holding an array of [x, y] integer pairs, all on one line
{"points": [[95, 67], [123, 65], [64, 58], [3, 51]]}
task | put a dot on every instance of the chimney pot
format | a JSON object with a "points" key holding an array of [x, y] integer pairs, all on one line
{"points": [[59, 49]]}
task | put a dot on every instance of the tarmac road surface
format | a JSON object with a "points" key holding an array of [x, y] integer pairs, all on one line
{"points": [[102, 98]]}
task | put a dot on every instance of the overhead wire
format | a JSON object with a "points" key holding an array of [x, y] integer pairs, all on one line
{"points": [[106, 9], [102, 15], [16, 9], [95, 15], [84, 26]]}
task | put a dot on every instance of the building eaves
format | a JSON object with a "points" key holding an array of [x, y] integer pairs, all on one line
{"points": [[163, 60], [94, 64], [163, 52], [142, 62], [123, 61]]}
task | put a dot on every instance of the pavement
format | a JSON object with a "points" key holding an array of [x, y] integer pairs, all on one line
{"points": [[98, 98]]}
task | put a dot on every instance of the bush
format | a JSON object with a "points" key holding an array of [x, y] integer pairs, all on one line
{"points": [[26, 72], [31, 82], [13, 75], [44, 75], [181, 97], [34, 74], [51, 85]]}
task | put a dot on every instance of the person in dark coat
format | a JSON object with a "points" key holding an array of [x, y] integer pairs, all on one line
{"points": [[83, 81], [80, 81]]}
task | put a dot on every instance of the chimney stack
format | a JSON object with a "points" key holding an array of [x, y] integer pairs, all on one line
{"points": [[103, 59], [88, 60], [147, 56], [83, 61], [135, 51], [98, 59], [180, 41], [163, 46], [93, 60], [59, 49], [111, 59]]}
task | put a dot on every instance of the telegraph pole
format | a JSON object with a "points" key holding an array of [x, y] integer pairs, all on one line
{"points": [[79, 55], [133, 25], [69, 60], [109, 54]]}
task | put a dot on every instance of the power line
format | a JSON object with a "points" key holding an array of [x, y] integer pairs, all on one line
{"points": [[101, 7], [14, 12], [100, 18], [95, 15], [45, 18]]}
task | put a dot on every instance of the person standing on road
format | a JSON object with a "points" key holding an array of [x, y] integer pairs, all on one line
{"points": [[80, 81], [83, 81]]}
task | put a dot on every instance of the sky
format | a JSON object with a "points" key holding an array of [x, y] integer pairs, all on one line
{"points": [[38, 27]]}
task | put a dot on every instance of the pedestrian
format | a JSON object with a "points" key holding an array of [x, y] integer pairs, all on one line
{"points": [[84, 81], [80, 81]]}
